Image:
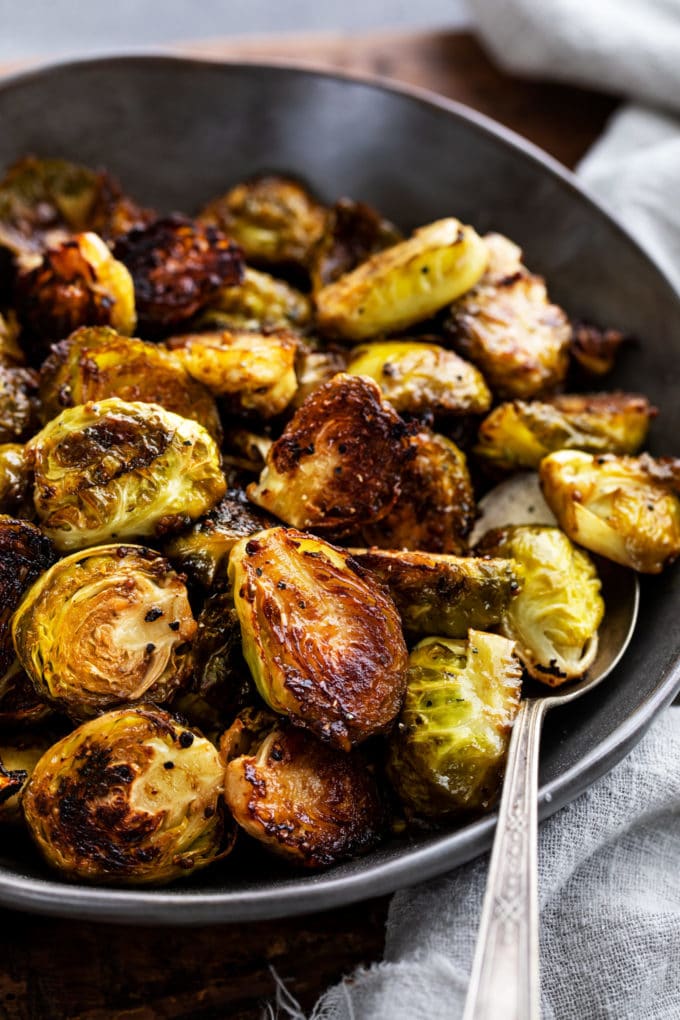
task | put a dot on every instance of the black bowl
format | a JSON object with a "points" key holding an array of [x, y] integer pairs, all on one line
{"points": [[178, 132]]}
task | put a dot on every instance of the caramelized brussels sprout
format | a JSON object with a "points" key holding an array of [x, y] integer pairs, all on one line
{"points": [[315, 367], [555, 617], [436, 508], [19, 754], [322, 639], [131, 798], [448, 751], [422, 377], [338, 461], [624, 508], [24, 553], [302, 799], [11, 354], [104, 627], [259, 302], [15, 480], [96, 363], [353, 232], [20, 704], [594, 350], [203, 549], [444, 595], [520, 435], [252, 372], [114, 469], [405, 283], [507, 326], [177, 266], [274, 219], [18, 404]]}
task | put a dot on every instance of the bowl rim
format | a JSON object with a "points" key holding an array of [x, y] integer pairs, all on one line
{"points": [[303, 894]]}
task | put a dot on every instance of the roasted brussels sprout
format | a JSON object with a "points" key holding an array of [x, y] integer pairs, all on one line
{"points": [[507, 326], [24, 553], [11, 354], [18, 404], [177, 266], [594, 350], [405, 283], [322, 639], [555, 617], [203, 549], [96, 363], [253, 372], [131, 797], [259, 302], [624, 508], [444, 595], [105, 627], [353, 232], [15, 480], [304, 800], [315, 367], [274, 219], [448, 751], [436, 508], [422, 377], [339, 459], [520, 435], [19, 754], [114, 469]]}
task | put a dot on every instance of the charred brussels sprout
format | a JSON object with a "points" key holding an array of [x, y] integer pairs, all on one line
{"points": [[339, 459], [323, 640], [624, 508], [259, 302], [114, 469], [555, 617], [177, 266], [18, 404], [274, 219], [520, 435], [422, 377], [24, 554], [15, 480], [130, 798], [444, 595], [105, 627], [304, 800], [353, 232], [594, 350], [405, 283], [509, 329], [203, 549], [449, 748], [253, 372]]}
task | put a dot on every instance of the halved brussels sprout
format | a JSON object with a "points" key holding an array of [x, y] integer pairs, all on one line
{"points": [[322, 639], [422, 377], [131, 797], [95, 363], [252, 372], [78, 283], [624, 508], [352, 233], [24, 553], [105, 627], [114, 469], [436, 508], [555, 617], [11, 354], [177, 266], [304, 800], [18, 404], [520, 435], [339, 460], [448, 751], [259, 302], [19, 754], [15, 480], [509, 329], [594, 349], [405, 283], [314, 367], [203, 549], [274, 219], [444, 595]]}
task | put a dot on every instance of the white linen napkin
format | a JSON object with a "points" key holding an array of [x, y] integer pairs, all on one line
{"points": [[610, 896]]}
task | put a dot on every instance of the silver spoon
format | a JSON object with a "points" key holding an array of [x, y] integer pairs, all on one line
{"points": [[504, 984]]}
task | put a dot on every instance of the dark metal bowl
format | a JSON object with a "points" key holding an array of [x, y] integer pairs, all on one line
{"points": [[178, 132]]}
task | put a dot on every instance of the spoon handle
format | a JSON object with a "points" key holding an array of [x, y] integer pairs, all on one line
{"points": [[504, 984]]}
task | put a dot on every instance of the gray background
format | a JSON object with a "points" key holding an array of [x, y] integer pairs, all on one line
{"points": [[39, 28]]}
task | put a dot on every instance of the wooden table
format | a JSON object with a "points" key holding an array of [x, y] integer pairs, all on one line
{"points": [[54, 969]]}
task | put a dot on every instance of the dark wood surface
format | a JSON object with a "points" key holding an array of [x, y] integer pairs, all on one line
{"points": [[53, 969]]}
